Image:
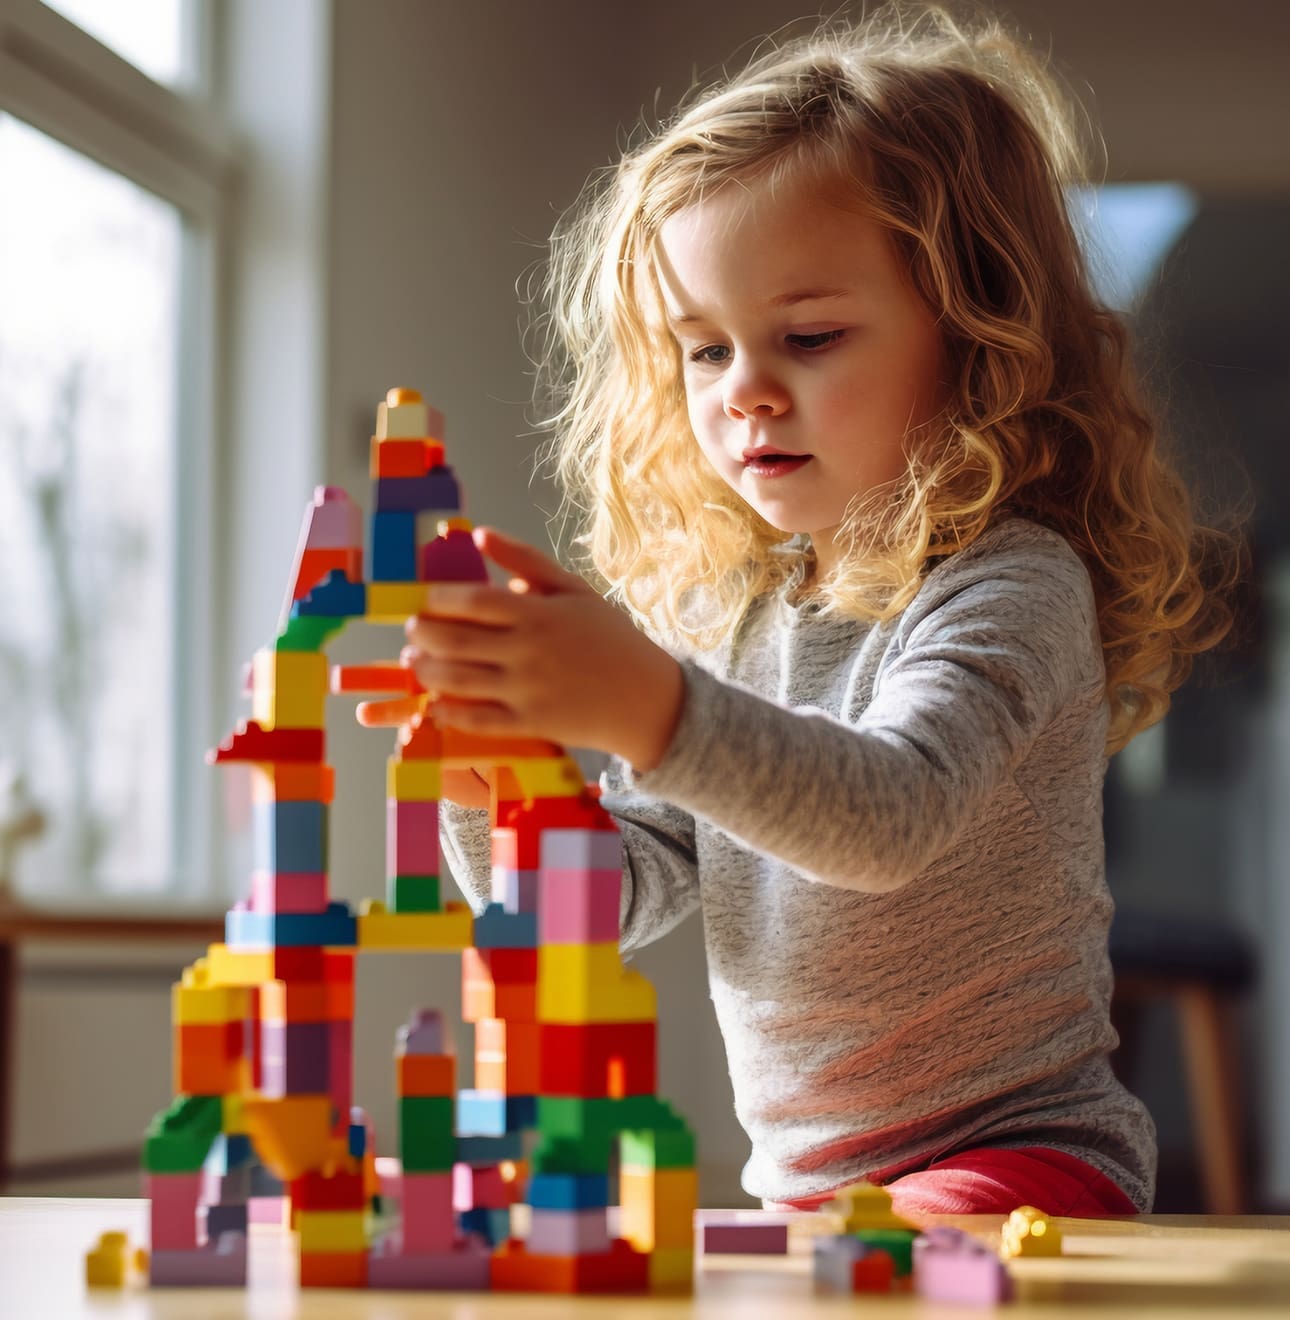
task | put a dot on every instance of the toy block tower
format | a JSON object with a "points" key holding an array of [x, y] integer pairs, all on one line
{"points": [[565, 1035]]}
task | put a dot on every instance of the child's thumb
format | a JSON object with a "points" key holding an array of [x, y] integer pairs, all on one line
{"points": [[539, 571]]}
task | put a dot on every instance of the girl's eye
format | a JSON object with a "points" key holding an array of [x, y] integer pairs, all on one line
{"points": [[820, 340], [711, 355]]}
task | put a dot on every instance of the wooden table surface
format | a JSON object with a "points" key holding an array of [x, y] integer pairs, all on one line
{"points": [[1155, 1266]]}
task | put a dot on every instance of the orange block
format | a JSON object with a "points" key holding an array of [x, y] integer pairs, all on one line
{"points": [[333, 1269], [296, 1001], [316, 564], [425, 1074], [403, 458], [387, 677], [292, 781], [209, 1058], [507, 1056], [619, 1270], [499, 983]]}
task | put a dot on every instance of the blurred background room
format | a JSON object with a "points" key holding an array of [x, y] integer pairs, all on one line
{"points": [[227, 227]]}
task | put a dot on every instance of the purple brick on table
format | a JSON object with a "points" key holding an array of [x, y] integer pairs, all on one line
{"points": [[465, 1268], [222, 1265], [738, 1239], [953, 1266]]}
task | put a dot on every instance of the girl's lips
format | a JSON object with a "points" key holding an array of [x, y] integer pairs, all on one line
{"points": [[769, 466]]}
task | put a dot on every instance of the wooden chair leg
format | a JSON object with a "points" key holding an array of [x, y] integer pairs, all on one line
{"points": [[1206, 1025]]}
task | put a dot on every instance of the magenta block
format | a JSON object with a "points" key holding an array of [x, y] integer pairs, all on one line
{"points": [[429, 1227], [294, 1058], [569, 1232], [516, 891], [172, 1214], [739, 1239], [582, 850], [578, 907], [411, 838], [340, 1063], [220, 1266], [289, 891], [463, 1269], [452, 558], [481, 1188]]}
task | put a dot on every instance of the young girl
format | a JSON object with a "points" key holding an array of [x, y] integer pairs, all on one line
{"points": [[860, 459]]}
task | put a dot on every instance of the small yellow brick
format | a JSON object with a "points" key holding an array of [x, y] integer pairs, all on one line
{"points": [[392, 602], [588, 983], [332, 1230], [413, 781]]}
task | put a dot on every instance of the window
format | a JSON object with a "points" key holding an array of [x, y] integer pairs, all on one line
{"points": [[106, 268]]}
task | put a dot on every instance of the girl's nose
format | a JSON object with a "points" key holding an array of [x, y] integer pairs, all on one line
{"points": [[754, 394]]}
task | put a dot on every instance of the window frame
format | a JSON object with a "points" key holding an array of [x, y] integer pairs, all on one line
{"points": [[60, 80]]}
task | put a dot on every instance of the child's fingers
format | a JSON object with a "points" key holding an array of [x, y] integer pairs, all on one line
{"points": [[524, 561], [477, 717]]}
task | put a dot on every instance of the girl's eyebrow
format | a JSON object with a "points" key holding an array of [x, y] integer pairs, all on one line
{"points": [[779, 300]]}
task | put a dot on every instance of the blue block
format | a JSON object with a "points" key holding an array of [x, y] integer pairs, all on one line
{"points": [[228, 1152], [493, 1226], [264, 1183], [496, 928], [336, 928], [394, 547], [335, 597], [493, 1113], [490, 1150], [290, 836], [437, 491], [568, 1191], [357, 1140]]}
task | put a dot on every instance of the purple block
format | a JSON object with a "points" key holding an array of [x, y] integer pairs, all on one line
{"points": [[213, 1221], [437, 490], [465, 1269], [569, 1232], [294, 1058], [411, 838], [737, 1239], [953, 1266], [422, 1033], [834, 1257], [585, 850], [226, 1188], [340, 1063], [516, 891], [220, 1266]]}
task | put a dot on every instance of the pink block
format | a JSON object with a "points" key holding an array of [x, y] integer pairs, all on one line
{"points": [[428, 1223], [221, 1265], [569, 1232], [332, 521], [289, 891], [411, 838], [578, 907], [465, 1268], [267, 1210], [172, 1215], [340, 1064]]}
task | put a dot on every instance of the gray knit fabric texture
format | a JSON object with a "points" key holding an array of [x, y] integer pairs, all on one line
{"points": [[894, 834]]}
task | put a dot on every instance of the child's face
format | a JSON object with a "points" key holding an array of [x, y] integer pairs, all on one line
{"points": [[801, 337]]}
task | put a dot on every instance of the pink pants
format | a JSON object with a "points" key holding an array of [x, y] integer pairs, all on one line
{"points": [[995, 1182]]}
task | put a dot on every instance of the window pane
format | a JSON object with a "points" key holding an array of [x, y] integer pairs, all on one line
{"points": [[148, 33], [89, 279]]}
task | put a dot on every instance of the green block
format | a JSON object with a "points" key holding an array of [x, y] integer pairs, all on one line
{"points": [[308, 632], [412, 893], [659, 1150], [565, 1155], [898, 1243], [569, 1116], [178, 1138], [427, 1139]]}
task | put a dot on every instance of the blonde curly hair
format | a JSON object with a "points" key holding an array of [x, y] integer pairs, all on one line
{"points": [[954, 136]]}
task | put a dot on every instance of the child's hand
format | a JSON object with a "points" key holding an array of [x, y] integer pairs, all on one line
{"points": [[547, 658]]}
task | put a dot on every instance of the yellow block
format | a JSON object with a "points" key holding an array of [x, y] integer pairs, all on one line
{"points": [[231, 967], [392, 602], [446, 931], [332, 1230], [658, 1208], [864, 1205], [1029, 1232], [232, 1119], [402, 415], [195, 999], [547, 776], [289, 689], [671, 1270], [413, 781], [588, 983]]}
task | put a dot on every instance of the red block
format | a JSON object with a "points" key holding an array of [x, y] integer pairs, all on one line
{"points": [[249, 742], [619, 1270], [316, 1191], [333, 1269], [596, 1059], [873, 1272], [507, 1056], [499, 983], [517, 838]]}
